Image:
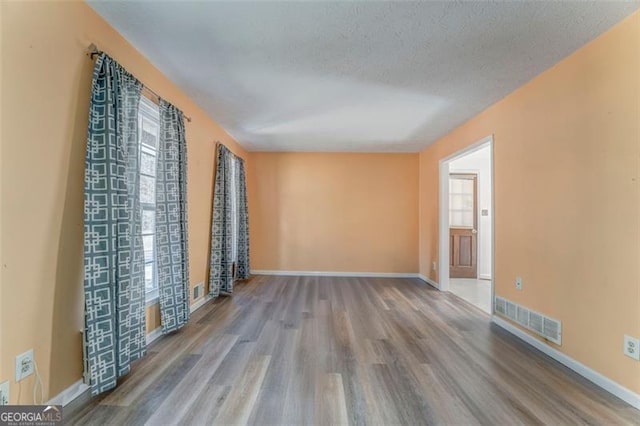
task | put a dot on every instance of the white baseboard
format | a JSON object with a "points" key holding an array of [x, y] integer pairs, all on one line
{"points": [[69, 394], [154, 335], [605, 383], [200, 303], [484, 277], [429, 281], [337, 274]]}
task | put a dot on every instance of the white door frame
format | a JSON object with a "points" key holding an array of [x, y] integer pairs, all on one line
{"points": [[443, 214]]}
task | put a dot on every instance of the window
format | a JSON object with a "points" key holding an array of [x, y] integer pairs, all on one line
{"points": [[148, 132], [461, 201]]}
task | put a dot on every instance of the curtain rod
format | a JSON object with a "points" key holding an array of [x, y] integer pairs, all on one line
{"points": [[93, 50]]}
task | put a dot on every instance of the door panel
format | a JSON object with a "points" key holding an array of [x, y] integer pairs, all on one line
{"points": [[464, 254], [463, 217]]}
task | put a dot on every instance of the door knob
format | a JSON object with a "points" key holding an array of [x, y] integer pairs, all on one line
{"points": [[474, 231]]}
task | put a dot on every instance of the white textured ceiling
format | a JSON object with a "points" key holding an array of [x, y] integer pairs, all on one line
{"points": [[353, 76]]}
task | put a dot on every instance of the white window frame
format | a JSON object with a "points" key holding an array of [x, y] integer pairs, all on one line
{"points": [[149, 110]]}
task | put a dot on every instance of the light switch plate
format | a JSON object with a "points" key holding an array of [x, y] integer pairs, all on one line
{"points": [[4, 393], [631, 347], [519, 283], [24, 365]]}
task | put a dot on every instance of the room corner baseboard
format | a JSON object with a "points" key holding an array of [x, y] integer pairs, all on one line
{"points": [[593, 376], [69, 394], [484, 277], [336, 274], [429, 281]]}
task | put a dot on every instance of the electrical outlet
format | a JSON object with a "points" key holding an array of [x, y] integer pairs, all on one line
{"points": [[24, 365], [4, 393], [632, 347], [519, 283], [434, 266]]}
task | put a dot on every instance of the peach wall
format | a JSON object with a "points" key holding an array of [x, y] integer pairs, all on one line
{"points": [[567, 214], [45, 94], [334, 212]]}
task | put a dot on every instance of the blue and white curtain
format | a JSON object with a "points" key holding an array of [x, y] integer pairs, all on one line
{"points": [[243, 266], [115, 320], [230, 224], [171, 220], [113, 252]]}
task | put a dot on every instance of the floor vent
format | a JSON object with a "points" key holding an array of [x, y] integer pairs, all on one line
{"points": [[547, 327]]}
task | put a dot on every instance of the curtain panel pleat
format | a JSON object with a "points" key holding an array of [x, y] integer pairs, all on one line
{"points": [[171, 220], [113, 253]]}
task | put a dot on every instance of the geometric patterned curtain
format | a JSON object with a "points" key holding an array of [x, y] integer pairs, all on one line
{"points": [[171, 220], [243, 224], [221, 263], [230, 224], [113, 252]]}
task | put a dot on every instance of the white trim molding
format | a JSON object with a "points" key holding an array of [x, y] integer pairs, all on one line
{"points": [[443, 213], [337, 274], [69, 394], [200, 303], [593, 376], [152, 297], [429, 281], [154, 335]]}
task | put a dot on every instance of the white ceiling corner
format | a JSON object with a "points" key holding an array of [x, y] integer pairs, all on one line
{"points": [[353, 76]]}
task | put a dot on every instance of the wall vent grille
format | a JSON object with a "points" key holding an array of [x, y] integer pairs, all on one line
{"points": [[523, 316], [512, 310], [547, 327], [535, 322], [198, 290]]}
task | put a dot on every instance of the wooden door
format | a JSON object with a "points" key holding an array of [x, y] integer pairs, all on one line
{"points": [[463, 225]]}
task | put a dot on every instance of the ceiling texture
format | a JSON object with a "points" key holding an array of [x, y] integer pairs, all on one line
{"points": [[353, 76]]}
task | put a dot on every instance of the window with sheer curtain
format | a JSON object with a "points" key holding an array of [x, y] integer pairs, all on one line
{"points": [[148, 125]]}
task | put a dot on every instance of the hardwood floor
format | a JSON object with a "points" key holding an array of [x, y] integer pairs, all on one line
{"points": [[316, 350]]}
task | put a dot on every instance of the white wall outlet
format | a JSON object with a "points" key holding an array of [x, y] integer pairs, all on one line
{"points": [[631, 347], [434, 266], [4, 393], [24, 365], [519, 283]]}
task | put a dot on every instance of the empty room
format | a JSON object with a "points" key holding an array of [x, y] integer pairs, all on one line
{"points": [[324, 213]]}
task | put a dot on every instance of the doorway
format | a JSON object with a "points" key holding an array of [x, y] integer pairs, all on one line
{"points": [[463, 224], [466, 224]]}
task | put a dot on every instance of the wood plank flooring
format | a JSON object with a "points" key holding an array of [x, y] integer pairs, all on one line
{"points": [[319, 350]]}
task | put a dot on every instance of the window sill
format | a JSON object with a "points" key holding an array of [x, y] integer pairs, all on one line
{"points": [[152, 297]]}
